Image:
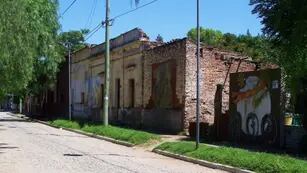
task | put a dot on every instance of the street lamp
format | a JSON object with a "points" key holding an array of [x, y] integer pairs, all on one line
{"points": [[197, 76]]}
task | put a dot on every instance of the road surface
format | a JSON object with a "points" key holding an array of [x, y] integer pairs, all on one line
{"points": [[29, 147]]}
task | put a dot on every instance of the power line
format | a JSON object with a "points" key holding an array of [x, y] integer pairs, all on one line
{"points": [[92, 12], [142, 6], [68, 8], [100, 25], [92, 30], [91, 33]]}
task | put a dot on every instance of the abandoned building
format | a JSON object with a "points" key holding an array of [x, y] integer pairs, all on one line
{"points": [[152, 84]]}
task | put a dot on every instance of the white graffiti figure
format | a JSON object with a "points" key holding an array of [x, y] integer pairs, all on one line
{"points": [[254, 106]]}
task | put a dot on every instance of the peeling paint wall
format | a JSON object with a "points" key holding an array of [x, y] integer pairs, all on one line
{"points": [[88, 75], [80, 82]]}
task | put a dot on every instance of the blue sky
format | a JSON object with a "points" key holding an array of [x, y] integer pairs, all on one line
{"points": [[169, 18]]}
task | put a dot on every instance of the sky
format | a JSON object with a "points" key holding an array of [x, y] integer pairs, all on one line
{"points": [[170, 18]]}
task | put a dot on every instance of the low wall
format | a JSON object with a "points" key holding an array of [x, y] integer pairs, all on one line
{"points": [[165, 120], [293, 137], [162, 120]]}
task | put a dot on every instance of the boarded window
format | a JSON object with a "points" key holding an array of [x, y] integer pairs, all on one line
{"points": [[164, 84], [131, 93], [117, 94], [82, 98]]}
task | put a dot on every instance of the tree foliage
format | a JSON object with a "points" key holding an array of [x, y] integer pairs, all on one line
{"points": [[247, 44], [285, 21], [285, 24], [207, 36], [28, 31], [75, 38]]}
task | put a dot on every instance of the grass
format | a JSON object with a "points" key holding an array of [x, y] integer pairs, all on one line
{"points": [[254, 161], [124, 134]]}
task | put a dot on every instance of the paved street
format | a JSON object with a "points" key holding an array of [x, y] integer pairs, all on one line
{"points": [[33, 147]]}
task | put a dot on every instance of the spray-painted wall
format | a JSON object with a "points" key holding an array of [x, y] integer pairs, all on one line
{"points": [[255, 106]]}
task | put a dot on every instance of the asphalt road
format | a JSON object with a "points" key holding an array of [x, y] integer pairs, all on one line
{"points": [[28, 147]]}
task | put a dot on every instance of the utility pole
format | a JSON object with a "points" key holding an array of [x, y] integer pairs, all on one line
{"points": [[107, 66], [197, 76], [69, 80]]}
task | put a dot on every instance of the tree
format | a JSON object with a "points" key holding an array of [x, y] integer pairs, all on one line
{"points": [[28, 32], [207, 36], [253, 46], [285, 25], [42, 80], [159, 39], [284, 20], [75, 38], [246, 44]]}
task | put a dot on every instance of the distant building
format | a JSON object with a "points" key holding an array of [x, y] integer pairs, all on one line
{"points": [[153, 84]]}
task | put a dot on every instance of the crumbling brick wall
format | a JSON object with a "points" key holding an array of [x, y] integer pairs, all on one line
{"points": [[163, 85], [173, 52], [214, 66]]}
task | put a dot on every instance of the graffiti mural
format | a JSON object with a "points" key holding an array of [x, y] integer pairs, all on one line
{"points": [[254, 104]]}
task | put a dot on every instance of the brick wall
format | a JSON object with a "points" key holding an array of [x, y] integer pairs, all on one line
{"points": [[214, 65], [163, 83], [171, 52]]}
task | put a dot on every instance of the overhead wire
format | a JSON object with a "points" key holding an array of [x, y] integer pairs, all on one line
{"points": [[93, 31], [130, 11], [68, 8], [100, 25], [92, 12]]}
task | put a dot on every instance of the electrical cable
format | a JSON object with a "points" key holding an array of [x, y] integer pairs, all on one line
{"points": [[93, 32], [90, 17], [68, 8], [100, 25], [130, 11]]}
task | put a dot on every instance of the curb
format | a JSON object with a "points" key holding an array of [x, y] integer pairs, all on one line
{"points": [[127, 144], [157, 151], [202, 162]]}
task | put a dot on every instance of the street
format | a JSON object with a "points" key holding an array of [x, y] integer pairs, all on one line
{"points": [[33, 147]]}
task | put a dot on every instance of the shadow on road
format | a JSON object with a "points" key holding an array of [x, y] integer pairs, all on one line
{"points": [[13, 120], [73, 155], [8, 148], [51, 134], [5, 146]]}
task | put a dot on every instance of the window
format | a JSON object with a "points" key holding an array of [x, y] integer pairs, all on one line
{"points": [[131, 93], [117, 94], [82, 98]]}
